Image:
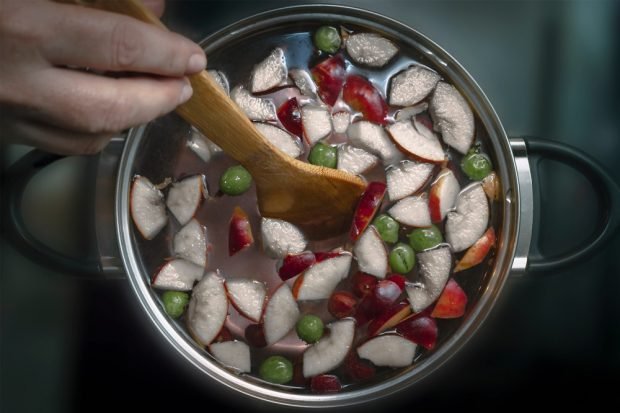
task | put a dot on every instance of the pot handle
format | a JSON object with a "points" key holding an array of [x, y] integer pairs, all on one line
{"points": [[14, 227], [607, 192]]}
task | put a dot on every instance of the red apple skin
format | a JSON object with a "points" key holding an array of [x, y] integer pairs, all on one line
{"points": [[322, 256], [363, 284], [224, 335], [365, 311], [367, 207], [451, 302], [425, 119], [434, 201], [357, 369], [421, 329], [239, 233], [255, 335], [329, 78], [294, 264], [477, 252], [325, 384], [289, 115], [362, 96], [342, 304], [389, 318]]}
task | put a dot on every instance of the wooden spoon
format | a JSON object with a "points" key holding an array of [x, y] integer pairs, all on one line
{"points": [[319, 200]]}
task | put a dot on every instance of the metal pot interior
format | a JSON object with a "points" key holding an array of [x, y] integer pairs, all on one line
{"points": [[159, 150]]}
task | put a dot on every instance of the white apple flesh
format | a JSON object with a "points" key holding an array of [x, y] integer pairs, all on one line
{"points": [[316, 122], [247, 296], [470, 220], [412, 85], [388, 350], [147, 206], [355, 160], [281, 139], [269, 73], [255, 108], [207, 309], [434, 270], [281, 238], [321, 279], [370, 49], [330, 351], [372, 138], [371, 254], [452, 117], [407, 178], [443, 194], [281, 314], [412, 211], [178, 275], [234, 354], [417, 140], [191, 243], [185, 196]]}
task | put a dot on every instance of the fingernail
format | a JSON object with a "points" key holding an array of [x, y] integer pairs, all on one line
{"points": [[197, 63], [186, 93]]}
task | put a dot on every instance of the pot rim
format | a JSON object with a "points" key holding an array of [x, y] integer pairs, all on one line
{"points": [[506, 246]]}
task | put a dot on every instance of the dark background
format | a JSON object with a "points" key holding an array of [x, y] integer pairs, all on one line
{"points": [[550, 70]]}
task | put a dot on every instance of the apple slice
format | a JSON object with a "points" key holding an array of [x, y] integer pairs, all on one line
{"points": [[191, 243], [325, 384], [477, 252], [185, 196], [412, 211], [361, 95], [373, 138], [178, 275], [303, 81], [255, 108], [442, 195], [220, 79], [280, 138], [467, 224], [407, 178], [269, 73], [389, 350], [412, 85], [207, 309], [408, 113], [366, 208], [435, 266], [453, 117], [281, 238], [363, 284], [330, 351], [371, 254], [147, 206], [239, 232], [341, 121], [492, 186], [417, 140], [247, 296], [234, 354], [355, 160], [316, 122], [421, 329], [389, 318], [452, 301], [320, 280], [281, 314], [294, 264], [329, 77], [289, 115], [370, 49]]}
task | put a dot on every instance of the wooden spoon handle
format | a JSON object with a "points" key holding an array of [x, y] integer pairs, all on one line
{"points": [[210, 109]]}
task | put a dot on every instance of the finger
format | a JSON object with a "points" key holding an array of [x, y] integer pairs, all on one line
{"points": [[105, 41], [55, 140], [97, 104], [155, 6]]}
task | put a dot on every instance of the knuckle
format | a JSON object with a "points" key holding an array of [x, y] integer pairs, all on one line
{"points": [[126, 45]]}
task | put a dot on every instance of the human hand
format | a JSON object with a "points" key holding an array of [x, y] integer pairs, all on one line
{"points": [[47, 102]]}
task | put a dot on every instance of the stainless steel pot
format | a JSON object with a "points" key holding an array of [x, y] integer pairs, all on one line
{"points": [[153, 150]]}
